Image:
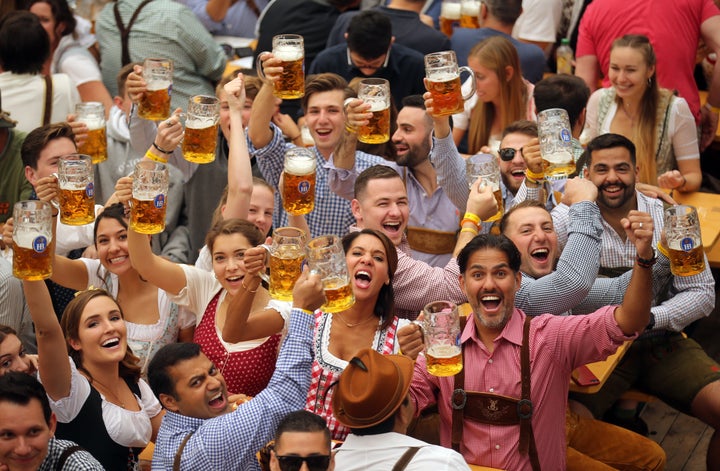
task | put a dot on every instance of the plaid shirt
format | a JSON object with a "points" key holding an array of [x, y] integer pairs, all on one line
{"points": [[229, 442], [689, 298], [80, 460], [332, 213]]}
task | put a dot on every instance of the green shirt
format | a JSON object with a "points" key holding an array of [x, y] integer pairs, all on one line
{"points": [[14, 186]]}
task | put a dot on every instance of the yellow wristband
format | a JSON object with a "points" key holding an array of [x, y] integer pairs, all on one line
{"points": [[309, 313], [350, 128], [473, 217], [661, 248], [534, 177], [154, 157], [471, 230], [712, 109]]}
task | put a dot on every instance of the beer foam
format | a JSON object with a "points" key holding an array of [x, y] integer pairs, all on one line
{"points": [[378, 105], [26, 239], [299, 166], [444, 351], [558, 157], [200, 123], [144, 195], [155, 85], [93, 123], [442, 76], [74, 186], [288, 53], [470, 8], [451, 11]]}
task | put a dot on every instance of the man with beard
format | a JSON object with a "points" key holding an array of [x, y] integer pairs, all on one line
{"points": [[434, 198], [529, 395], [683, 376]]}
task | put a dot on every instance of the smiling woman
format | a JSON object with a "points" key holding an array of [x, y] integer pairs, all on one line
{"points": [[97, 395]]}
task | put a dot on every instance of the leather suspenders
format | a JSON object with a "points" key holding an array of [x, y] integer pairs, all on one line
{"points": [[125, 30]]}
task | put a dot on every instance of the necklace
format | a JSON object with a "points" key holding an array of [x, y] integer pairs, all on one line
{"points": [[350, 325], [108, 390], [627, 113]]}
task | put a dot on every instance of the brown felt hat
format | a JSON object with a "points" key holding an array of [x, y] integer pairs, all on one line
{"points": [[371, 388]]}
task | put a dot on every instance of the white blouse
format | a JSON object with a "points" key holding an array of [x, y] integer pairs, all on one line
{"points": [[125, 427]]}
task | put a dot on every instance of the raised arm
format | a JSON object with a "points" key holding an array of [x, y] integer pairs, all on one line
{"points": [[240, 185], [52, 350], [710, 30], [634, 313], [263, 106], [166, 275]]}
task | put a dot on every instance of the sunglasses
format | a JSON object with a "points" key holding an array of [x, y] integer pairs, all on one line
{"points": [[294, 463], [508, 153]]}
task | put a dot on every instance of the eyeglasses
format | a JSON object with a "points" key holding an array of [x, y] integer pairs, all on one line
{"points": [[508, 153], [294, 463]]}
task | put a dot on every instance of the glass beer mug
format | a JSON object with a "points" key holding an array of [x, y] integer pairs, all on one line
{"points": [[375, 92], [556, 143], [685, 248], [441, 332], [155, 103], [77, 189], [298, 181], [326, 257], [201, 129], [287, 253], [32, 239], [443, 83], [92, 113], [487, 168], [149, 191], [290, 49], [470, 14], [450, 12]]}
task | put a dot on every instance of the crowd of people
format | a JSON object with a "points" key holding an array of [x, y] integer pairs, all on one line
{"points": [[176, 342]]}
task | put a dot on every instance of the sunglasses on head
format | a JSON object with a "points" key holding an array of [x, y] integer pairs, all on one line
{"points": [[294, 463], [508, 153]]}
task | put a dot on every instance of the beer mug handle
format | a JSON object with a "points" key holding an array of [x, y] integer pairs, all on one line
{"points": [[472, 80], [263, 274], [258, 66]]}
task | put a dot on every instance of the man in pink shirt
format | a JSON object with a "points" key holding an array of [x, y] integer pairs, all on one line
{"points": [[674, 28], [533, 433]]}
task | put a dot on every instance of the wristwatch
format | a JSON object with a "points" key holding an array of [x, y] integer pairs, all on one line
{"points": [[647, 262]]}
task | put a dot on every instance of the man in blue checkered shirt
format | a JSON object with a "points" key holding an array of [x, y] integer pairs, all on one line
{"points": [[200, 429]]}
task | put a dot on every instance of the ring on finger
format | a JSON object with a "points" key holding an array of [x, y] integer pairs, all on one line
{"points": [[640, 226]]}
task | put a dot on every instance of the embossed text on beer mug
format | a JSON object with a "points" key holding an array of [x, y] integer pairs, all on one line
{"points": [[287, 253], [470, 14], [77, 189], [155, 103], [326, 257], [298, 186], [441, 329], [92, 113], [290, 49], [201, 129], [450, 11], [685, 248], [149, 193], [376, 93], [32, 239], [486, 168], [443, 83], [556, 143]]}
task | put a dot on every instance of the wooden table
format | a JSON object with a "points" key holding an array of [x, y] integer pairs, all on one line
{"points": [[708, 207], [602, 370]]}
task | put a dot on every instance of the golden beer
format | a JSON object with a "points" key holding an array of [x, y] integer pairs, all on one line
{"points": [[449, 17], [444, 360], [338, 295], [285, 268], [469, 21], [77, 206], [32, 257], [291, 83], [155, 103], [377, 130], [499, 200], [558, 164], [686, 263], [446, 94], [447, 25], [199, 142], [96, 145], [147, 215]]}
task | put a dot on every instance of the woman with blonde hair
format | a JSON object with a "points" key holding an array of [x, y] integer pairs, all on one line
{"points": [[502, 95], [659, 123]]}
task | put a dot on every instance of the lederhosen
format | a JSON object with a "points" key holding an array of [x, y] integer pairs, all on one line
{"points": [[430, 241], [496, 409], [125, 30]]}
